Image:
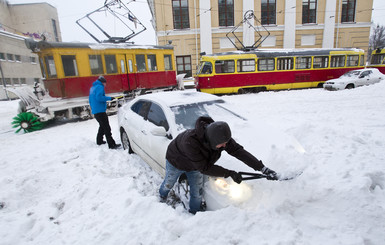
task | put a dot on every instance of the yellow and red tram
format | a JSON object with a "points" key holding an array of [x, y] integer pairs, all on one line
{"points": [[275, 69], [69, 69], [377, 60]]}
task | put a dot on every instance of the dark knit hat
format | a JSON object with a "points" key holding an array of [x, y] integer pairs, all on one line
{"points": [[102, 79], [217, 133]]}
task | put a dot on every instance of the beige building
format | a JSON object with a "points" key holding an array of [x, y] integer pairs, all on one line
{"points": [[196, 26], [18, 65]]}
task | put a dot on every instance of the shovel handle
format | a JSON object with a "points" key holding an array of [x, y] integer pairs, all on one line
{"points": [[251, 176]]}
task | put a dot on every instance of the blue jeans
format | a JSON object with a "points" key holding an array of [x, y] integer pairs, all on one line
{"points": [[195, 180]]}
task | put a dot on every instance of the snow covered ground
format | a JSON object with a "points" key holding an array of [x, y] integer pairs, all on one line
{"points": [[58, 187]]}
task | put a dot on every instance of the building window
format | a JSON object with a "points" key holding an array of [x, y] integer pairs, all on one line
{"points": [[23, 81], [226, 12], [55, 30], [269, 41], [15, 81], [308, 40], [183, 64], [348, 10], [10, 57], [8, 81], [33, 60], [309, 10], [2, 56], [180, 13], [17, 58], [268, 8]]}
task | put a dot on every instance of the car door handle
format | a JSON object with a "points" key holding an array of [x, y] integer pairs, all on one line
{"points": [[144, 132]]}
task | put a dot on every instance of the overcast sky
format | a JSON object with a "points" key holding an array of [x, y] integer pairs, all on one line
{"points": [[71, 10]]}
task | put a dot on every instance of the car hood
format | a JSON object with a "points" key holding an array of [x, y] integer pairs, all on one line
{"points": [[277, 150]]}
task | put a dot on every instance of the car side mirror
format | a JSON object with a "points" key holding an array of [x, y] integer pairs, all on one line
{"points": [[159, 131]]}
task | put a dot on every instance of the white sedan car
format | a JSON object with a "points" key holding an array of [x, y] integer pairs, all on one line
{"points": [[149, 122], [354, 79]]}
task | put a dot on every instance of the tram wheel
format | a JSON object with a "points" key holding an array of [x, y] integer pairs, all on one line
{"points": [[241, 91]]}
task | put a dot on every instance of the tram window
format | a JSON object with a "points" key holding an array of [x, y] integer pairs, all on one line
{"points": [[362, 60], [167, 62], [337, 61], [303, 63], [285, 63], [50, 65], [224, 66], [130, 67], [110, 64], [321, 62], [206, 68], [122, 66], [266, 65], [69, 65], [141, 62], [246, 65], [378, 59], [151, 61], [96, 64], [352, 60]]}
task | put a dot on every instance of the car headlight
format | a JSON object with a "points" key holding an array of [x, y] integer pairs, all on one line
{"points": [[237, 192]]}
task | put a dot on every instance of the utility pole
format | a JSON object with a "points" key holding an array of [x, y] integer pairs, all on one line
{"points": [[3, 79]]}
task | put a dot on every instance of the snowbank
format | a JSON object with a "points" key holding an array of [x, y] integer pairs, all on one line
{"points": [[59, 187]]}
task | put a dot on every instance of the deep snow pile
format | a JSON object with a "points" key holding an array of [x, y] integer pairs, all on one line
{"points": [[59, 187]]}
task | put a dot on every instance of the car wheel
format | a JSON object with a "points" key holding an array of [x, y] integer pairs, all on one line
{"points": [[125, 141], [350, 86]]}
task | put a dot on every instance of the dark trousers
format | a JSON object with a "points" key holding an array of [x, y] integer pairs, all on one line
{"points": [[104, 129]]}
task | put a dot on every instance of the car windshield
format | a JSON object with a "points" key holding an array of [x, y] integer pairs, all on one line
{"points": [[186, 115], [351, 74]]}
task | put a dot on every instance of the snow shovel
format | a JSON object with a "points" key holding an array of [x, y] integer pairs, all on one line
{"points": [[250, 176]]}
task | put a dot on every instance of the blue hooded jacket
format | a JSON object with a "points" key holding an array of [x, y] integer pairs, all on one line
{"points": [[98, 98]]}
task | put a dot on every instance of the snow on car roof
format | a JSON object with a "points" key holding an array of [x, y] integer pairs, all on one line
{"points": [[175, 98]]}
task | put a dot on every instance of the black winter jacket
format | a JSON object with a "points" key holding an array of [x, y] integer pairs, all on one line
{"points": [[190, 151]]}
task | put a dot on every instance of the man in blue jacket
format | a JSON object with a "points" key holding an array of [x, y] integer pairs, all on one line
{"points": [[98, 101]]}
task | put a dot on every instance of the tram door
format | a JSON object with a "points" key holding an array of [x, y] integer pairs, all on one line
{"points": [[131, 72]]}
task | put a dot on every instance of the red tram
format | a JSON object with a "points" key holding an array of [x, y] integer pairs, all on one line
{"points": [[275, 69], [378, 60], [70, 68]]}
